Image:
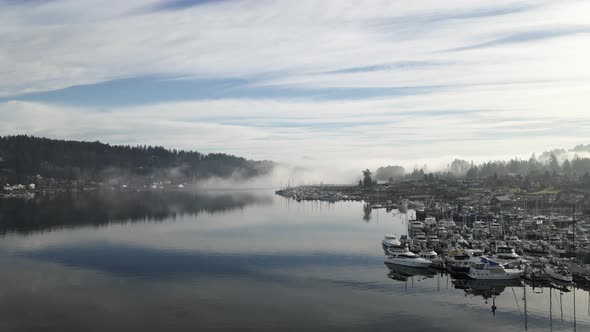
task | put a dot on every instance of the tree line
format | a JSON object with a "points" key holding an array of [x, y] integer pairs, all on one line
{"points": [[551, 168], [23, 157]]}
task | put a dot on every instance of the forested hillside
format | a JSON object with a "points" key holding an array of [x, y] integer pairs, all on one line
{"points": [[23, 157]]}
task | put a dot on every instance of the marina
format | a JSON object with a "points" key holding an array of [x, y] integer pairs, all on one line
{"points": [[229, 248]]}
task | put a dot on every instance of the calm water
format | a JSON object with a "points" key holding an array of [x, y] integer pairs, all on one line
{"points": [[245, 260]]}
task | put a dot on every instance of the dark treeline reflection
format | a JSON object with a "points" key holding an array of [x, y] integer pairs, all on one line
{"points": [[70, 209]]}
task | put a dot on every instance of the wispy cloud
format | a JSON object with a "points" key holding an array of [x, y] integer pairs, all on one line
{"points": [[165, 5], [529, 36], [326, 80]]}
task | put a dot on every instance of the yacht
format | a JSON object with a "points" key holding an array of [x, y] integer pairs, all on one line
{"points": [[432, 256], [495, 228], [420, 237], [473, 253], [506, 254], [416, 226], [513, 239], [432, 238], [442, 231], [391, 241], [458, 262], [486, 269], [560, 273], [407, 258]]}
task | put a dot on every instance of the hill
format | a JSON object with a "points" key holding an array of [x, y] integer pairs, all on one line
{"points": [[24, 158]]}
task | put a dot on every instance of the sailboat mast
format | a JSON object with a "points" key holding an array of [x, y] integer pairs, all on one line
{"points": [[574, 287], [525, 312], [550, 310]]}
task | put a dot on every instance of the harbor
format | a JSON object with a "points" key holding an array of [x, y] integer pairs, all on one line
{"points": [[483, 240]]}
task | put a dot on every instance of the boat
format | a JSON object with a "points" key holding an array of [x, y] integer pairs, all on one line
{"points": [[457, 262], [442, 231], [558, 272], [391, 241], [534, 270], [513, 239], [432, 256], [433, 239], [486, 269], [407, 258], [506, 254], [580, 273], [416, 226], [420, 237], [473, 253]]}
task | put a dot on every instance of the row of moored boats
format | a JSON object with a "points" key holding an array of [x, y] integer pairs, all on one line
{"points": [[501, 264]]}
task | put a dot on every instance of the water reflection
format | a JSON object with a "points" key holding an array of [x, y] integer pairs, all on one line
{"points": [[402, 273], [367, 210], [228, 261], [96, 208]]}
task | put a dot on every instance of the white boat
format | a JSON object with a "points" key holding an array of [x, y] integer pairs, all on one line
{"points": [[432, 238], [513, 239], [495, 228], [391, 241], [457, 262], [442, 231], [559, 273], [432, 256], [416, 226], [420, 237], [486, 269], [506, 254], [407, 258], [473, 253]]}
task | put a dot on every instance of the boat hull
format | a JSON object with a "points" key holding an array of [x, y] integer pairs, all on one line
{"points": [[416, 263], [507, 274], [560, 277]]}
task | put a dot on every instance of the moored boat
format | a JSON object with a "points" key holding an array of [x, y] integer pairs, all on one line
{"points": [[486, 269], [560, 273], [407, 258]]}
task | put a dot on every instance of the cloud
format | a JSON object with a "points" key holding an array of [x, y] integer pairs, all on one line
{"points": [[302, 81], [529, 36], [164, 5], [513, 121], [262, 41]]}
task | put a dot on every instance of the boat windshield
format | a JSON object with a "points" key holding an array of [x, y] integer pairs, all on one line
{"points": [[405, 255]]}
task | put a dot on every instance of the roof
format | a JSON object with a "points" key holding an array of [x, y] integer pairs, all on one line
{"points": [[503, 198]]}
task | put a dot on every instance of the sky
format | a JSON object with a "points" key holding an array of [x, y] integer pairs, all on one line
{"points": [[332, 82]]}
